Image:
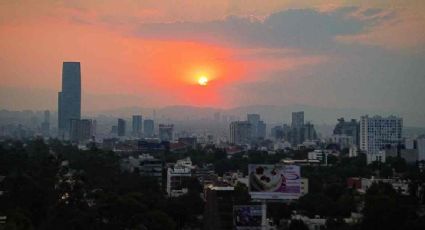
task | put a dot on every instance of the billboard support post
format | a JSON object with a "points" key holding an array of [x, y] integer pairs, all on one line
{"points": [[264, 214]]}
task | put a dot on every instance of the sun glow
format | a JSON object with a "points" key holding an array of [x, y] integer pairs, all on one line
{"points": [[203, 80]]}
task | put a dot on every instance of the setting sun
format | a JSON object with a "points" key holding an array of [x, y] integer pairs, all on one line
{"points": [[203, 81]]}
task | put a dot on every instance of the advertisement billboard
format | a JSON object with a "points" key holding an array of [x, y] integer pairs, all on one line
{"points": [[274, 181], [247, 217]]}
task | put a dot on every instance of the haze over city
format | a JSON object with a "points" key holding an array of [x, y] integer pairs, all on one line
{"points": [[212, 114], [332, 54]]}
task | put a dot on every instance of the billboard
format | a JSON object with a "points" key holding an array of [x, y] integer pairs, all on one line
{"points": [[274, 181], [247, 217]]}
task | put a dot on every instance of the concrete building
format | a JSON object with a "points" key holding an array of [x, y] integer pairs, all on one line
{"points": [[309, 132], [81, 130], [399, 185], [342, 140], [349, 129], [189, 141], [240, 132], [219, 206], [69, 99], [410, 143], [178, 176], [121, 127], [297, 119], [277, 132], [137, 125], [304, 186], [148, 128], [166, 132], [409, 155], [254, 120], [378, 132], [297, 128], [145, 164]]}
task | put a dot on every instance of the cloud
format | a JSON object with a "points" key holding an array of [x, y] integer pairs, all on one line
{"points": [[301, 28]]}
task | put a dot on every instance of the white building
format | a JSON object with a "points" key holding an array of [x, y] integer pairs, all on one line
{"points": [[378, 157], [353, 152], [377, 132], [178, 176]]}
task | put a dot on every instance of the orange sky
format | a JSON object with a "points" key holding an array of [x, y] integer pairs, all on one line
{"points": [[37, 36]]}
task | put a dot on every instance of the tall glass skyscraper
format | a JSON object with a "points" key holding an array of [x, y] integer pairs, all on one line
{"points": [[69, 99]]}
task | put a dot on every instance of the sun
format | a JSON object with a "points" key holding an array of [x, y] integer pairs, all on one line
{"points": [[202, 80]]}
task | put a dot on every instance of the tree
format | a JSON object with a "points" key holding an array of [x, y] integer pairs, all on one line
{"points": [[382, 208], [297, 225]]}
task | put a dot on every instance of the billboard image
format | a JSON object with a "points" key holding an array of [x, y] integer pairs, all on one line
{"points": [[247, 217], [274, 181]]}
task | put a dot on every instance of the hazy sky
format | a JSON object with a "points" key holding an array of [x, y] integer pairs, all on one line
{"points": [[344, 54]]}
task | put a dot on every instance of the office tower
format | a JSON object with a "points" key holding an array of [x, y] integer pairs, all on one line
{"points": [[309, 132], [253, 119], [137, 125], [261, 130], [277, 132], [240, 132], [69, 99], [297, 128], [348, 129], [166, 132], [45, 125], [121, 127], [297, 119], [148, 128], [81, 130], [377, 132]]}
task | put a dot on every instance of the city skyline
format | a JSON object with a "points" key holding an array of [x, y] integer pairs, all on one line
{"points": [[149, 55]]}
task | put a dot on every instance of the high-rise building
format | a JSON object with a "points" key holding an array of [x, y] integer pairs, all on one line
{"points": [[165, 132], [297, 128], [298, 119], [240, 132], [81, 130], [69, 99], [253, 119], [261, 130], [378, 132], [137, 125], [277, 132], [309, 132], [45, 125], [148, 128], [258, 127], [121, 127], [421, 149], [347, 130]]}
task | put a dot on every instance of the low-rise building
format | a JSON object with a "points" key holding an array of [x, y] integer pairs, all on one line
{"points": [[178, 176], [145, 164], [363, 184], [219, 206]]}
